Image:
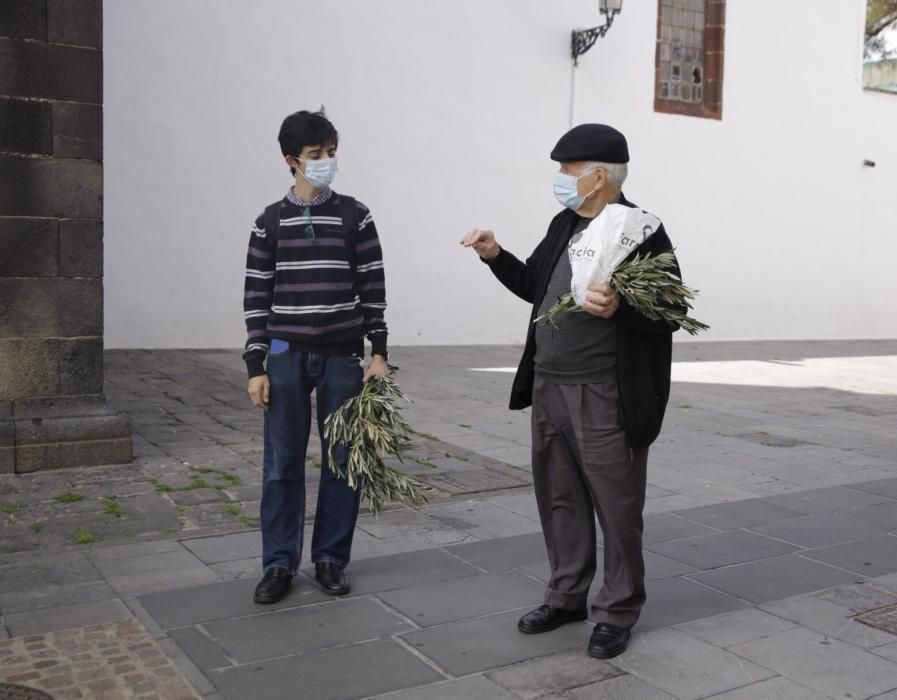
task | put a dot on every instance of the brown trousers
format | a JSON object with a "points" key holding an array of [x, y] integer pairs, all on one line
{"points": [[582, 466]]}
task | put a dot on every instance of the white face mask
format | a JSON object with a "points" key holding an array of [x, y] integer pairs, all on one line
{"points": [[319, 173], [566, 190]]}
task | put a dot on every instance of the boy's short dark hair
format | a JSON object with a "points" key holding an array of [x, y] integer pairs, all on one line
{"points": [[304, 128]]}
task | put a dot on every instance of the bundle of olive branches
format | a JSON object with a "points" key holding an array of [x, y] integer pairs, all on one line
{"points": [[650, 287], [371, 426]]}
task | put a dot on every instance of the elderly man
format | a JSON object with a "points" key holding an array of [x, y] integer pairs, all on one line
{"points": [[598, 384]]}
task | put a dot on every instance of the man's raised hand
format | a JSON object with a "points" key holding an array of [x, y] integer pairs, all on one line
{"points": [[483, 242]]}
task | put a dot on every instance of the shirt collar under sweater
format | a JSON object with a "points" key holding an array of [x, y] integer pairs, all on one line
{"points": [[320, 198]]}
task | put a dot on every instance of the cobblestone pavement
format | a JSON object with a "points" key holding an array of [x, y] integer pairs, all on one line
{"points": [[111, 661], [772, 525]]}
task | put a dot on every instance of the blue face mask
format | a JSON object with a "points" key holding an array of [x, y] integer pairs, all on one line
{"points": [[319, 173], [565, 189]]}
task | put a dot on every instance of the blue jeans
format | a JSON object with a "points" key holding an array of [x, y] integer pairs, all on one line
{"points": [[293, 374]]}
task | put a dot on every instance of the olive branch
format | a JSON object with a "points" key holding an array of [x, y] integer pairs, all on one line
{"points": [[372, 427], [649, 286]]}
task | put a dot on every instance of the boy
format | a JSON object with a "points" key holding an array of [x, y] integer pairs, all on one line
{"points": [[314, 289]]}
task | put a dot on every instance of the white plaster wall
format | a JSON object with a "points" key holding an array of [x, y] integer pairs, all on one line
{"points": [[447, 112]]}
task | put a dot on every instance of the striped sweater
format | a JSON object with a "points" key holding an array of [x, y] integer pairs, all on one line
{"points": [[305, 292]]}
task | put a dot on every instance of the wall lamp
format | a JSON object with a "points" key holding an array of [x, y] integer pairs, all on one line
{"points": [[583, 39]]}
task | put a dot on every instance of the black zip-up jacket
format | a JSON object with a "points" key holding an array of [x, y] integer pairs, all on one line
{"points": [[644, 347]]}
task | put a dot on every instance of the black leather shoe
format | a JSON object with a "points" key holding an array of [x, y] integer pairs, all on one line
{"points": [[331, 578], [607, 641], [273, 586], [546, 618]]}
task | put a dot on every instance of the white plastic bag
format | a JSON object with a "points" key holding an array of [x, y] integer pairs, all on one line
{"points": [[605, 243]]}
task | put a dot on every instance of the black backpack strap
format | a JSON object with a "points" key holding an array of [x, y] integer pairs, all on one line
{"points": [[348, 212], [272, 224]]}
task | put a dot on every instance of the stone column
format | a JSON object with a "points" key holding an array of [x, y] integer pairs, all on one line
{"points": [[52, 410]]}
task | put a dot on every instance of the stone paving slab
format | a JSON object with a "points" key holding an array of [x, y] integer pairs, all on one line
{"points": [[687, 667], [721, 548], [458, 599], [482, 643], [552, 675], [868, 557], [219, 601], [502, 553], [737, 627], [344, 673], [404, 570], [297, 630], [777, 688], [773, 579], [828, 500], [820, 529], [826, 665], [674, 600], [54, 619], [472, 688]]}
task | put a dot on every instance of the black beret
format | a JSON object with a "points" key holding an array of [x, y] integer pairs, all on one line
{"points": [[598, 142]]}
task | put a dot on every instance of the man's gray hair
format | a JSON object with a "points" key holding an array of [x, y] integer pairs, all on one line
{"points": [[616, 172]]}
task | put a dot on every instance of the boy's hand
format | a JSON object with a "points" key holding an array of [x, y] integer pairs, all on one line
{"points": [[377, 367], [483, 242], [259, 391]]}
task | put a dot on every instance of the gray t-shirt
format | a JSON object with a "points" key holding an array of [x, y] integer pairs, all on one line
{"points": [[583, 348]]}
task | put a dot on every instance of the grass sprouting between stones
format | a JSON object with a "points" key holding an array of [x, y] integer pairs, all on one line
{"points": [[113, 507], [69, 497], [83, 535]]}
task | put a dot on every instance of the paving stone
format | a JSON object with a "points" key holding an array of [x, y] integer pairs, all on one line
{"points": [[54, 619], [46, 571], [826, 500], [858, 597], [202, 651], [458, 599], [142, 549], [220, 601], [826, 665], [739, 514], [550, 675], [283, 632], [820, 530], [884, 514], [829, 619], [156, 572], [886, 651], [685, 666], [522, 503], [872, 556], [472, 688], [628, 687], [657, 567], [674, 600], [736, 627], [773, 689], [880, 487], [238, 569], [774, 579], [721, 549], [404, 570], [323, 674], [503, 553], [483, 520], [212, 550], [55, 596], [470, 646], [661, 527]]}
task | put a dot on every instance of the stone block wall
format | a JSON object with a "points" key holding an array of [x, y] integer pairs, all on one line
{"points": [[52, 410]]}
